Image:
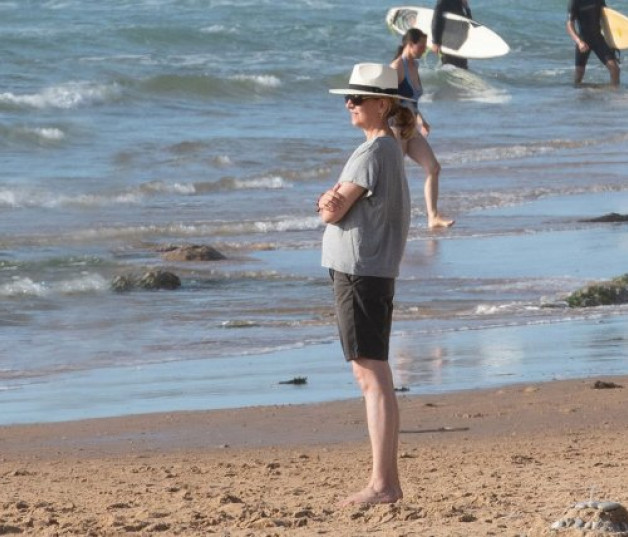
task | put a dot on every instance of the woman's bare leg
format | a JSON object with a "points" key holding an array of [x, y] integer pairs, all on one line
{"points": [[419, 150], [382, 415]]}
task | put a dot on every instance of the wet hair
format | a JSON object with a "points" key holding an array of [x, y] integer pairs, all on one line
{"points": [[413, 35]]}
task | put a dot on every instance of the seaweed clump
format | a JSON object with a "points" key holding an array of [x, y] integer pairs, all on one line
{"points": [[608, 293]]}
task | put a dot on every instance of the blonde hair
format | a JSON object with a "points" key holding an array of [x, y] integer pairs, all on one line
{"points": [[392, 108], [400, 117], [404, 120]]}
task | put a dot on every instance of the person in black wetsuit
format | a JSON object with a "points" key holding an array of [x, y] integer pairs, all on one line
{"points": [[587, 15], [459, 7]]}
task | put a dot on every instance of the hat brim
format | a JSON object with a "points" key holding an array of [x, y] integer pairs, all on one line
{"points": [[370, 94]]}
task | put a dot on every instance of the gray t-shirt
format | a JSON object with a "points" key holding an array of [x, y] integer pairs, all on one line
{"points": [[371, 238]]}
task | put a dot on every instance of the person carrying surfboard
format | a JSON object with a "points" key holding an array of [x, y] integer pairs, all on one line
{"points": [[458, 7], [587, 16], [413, 138]]}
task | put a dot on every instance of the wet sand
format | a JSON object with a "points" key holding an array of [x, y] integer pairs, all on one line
{"points": [[504, 462]]}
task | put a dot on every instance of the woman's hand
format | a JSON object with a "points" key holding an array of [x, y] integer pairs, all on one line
{"points": [[423, 126], [331, 200], [334, 204]]}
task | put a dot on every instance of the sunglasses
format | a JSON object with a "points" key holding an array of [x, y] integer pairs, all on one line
{"points": [[357, 100]]}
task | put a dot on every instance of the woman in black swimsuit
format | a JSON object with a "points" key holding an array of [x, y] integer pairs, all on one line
{"points": [[413, 138]]}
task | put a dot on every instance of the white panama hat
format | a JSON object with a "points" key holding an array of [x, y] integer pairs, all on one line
{"points": [[375, 79]]}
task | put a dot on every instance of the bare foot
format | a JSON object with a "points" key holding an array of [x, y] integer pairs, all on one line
{"points": [[371, 496], [439, 221]]}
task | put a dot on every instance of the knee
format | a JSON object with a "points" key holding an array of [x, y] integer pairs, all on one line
{"points": [[435, 169], [364, 376], [361, 379]]}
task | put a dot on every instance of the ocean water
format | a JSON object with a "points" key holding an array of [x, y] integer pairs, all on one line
{"points": [[127, 126]]}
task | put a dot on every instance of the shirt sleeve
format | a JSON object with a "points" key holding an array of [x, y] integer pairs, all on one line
{"points": [[362, 169]]}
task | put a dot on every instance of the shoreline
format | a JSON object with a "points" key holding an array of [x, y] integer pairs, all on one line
{"points": [[487, 355], [507, 461], [299, 424]]}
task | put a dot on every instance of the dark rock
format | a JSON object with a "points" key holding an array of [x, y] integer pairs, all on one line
{"points": [[153, 279], [610, 217], [603, 385], [601, 294], [159, 279], [124, 283], [192, 252]]}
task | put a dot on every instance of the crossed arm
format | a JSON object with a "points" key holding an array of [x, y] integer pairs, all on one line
{"points": [[336, 202]]}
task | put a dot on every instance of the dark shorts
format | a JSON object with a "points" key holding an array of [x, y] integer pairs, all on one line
{"points": [[601, 49], [364, 307]]}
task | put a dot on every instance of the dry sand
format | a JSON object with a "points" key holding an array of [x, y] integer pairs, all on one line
{"points": [[504, 462]]}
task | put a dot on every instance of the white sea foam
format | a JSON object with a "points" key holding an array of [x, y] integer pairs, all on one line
{"points": [[222, 160], [85, 283], [17, 134], [511, 307], [144, 59], [290, 224], [176, 188], [65, 96], [96, 200], [515, 151], [27, 198], [191, 60], [257, 183], [262, 182], [23, 286], [216, 29], [213, 230], [267, 81], [240, 324], [50, 133], [50, 200]]}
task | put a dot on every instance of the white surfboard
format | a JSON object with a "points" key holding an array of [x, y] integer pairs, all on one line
{"points": [[615, 28], [462, 37]]}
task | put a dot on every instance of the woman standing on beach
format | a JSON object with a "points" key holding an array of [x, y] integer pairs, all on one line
{"points": [[413, 138], [367, 214]]}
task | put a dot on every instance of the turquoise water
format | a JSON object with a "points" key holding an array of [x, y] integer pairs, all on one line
{"points": [[132, 125]]}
